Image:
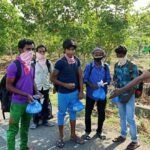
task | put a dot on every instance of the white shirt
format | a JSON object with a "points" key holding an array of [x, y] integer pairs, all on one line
{"points": [[42, 76]]}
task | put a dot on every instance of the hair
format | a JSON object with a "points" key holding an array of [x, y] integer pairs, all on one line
{"points": [[23, 42], [41, 46], [69, 43], [121, 50]]}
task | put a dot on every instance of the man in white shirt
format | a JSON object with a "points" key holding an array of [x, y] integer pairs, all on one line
{"points": [[43, 70]]}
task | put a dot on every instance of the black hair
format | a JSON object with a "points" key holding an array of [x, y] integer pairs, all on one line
{"points": [[121, 50], [23, 42], [41, 46], [68, 43]]}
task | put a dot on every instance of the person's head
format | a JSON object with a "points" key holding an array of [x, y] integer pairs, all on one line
{"points": [[121, 51], [41, 49], [98, 54], [25, 45], [69, 47]]}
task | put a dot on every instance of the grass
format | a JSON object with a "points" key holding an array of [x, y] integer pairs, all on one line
{"points": [[112, 119]]}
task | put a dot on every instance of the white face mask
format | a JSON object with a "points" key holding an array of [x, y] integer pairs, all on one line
{"points": [[122, 61]]}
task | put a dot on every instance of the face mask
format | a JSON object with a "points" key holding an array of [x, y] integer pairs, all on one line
{"points": [[122, 61], [40, 56], [27, 56], [98, 59]]}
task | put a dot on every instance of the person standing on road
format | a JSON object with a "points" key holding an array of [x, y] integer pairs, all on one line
{"points": [[22, 92], [43, 69], [126, 104], [67, 76], [96, 72]]}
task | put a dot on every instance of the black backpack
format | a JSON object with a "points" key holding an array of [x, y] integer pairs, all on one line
{"points": [[5, 95]]}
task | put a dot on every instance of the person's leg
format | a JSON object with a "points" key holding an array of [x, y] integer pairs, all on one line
{"points": [[88, 111], [62, 108], [101, 105], [15, 114], [46, 109], [130, 108], [25, 122], [73, 97], [123, 120]]}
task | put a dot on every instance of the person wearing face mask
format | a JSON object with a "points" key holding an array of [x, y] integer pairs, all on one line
{"points": [[96, 74], [67, 75], [43, 69], [22, 92], [126, 104]]}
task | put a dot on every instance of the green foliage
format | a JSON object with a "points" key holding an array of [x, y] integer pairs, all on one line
{"points": [[90, 23]]}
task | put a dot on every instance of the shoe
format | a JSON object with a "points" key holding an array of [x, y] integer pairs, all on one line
{"points": [[119, 139], [33, 126], [48, 124], [100, 135], [133, 145]]}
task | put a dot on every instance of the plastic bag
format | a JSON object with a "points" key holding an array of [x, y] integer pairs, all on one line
{"points": [[34, 108], [78, 106], [99, 94]]}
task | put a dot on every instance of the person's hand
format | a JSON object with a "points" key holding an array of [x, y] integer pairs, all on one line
{"points": [[29, 98], [115, 93], [94, 86], [81, 95], [70, 86]]}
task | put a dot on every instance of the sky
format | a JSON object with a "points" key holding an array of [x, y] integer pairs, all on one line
{"points": [[141, 3]]}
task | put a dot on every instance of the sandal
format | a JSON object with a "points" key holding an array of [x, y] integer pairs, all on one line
{"points": [[86, 136], [119, 139], [133, 145], [77, 140], [60, 143], [101, 136]]}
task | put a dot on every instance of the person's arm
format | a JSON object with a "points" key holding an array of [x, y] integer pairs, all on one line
{"points": [[35, 88], [51, 70], [81, 95], [86, 78], [10, 87], [144, 77], [59, 83]]}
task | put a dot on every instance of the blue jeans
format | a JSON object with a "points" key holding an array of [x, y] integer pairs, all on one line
{"points": [[65, 102], [127, 114]]}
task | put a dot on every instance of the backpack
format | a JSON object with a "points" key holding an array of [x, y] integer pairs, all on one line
{"points": [[5, 95], [138, 91]]}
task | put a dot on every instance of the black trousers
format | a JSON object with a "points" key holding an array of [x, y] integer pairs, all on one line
{"points": [[46, 112], [101, 105]]}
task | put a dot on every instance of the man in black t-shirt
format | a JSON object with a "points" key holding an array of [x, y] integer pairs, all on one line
{"points": [[67, 76]]}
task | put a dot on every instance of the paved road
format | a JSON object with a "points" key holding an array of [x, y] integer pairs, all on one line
{"points": [[44, 138]]}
